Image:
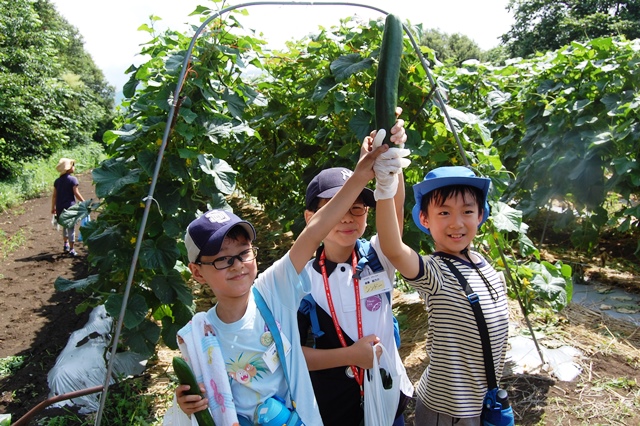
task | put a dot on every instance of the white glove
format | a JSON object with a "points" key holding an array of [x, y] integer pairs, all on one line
{"points": [[387, 167]]}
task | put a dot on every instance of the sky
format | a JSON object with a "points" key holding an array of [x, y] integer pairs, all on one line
{"points": [[111, 36]]}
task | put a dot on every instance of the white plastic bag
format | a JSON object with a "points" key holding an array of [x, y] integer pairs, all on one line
{"points": [[176, 417], [54, 222], [5, 419], [380, 404]]}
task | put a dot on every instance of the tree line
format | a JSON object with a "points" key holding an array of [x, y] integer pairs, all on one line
{"points": [[52, 95]]}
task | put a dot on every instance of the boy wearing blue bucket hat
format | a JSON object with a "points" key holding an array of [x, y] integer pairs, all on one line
{"points": [[451, 205]]}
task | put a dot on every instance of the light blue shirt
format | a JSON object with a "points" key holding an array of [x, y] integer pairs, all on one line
{"points": [[245, 342]]}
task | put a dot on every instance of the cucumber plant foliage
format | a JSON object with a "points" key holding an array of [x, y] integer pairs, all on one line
{"points": [[260, 124]]}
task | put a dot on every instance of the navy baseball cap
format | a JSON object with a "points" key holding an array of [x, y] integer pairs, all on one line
{"points": [[328, 182], [205, 234], [448, 176]]}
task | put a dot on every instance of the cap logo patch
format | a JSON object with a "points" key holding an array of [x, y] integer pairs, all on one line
{"points": [[217, 216], [346, 174]]}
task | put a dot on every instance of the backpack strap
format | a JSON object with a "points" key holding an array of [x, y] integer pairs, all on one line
{"points": [[368, 256], [308, 307], [474, 301], [275, 333]]}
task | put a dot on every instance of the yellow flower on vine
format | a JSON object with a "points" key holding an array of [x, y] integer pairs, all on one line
{"points": [[133, 240]]}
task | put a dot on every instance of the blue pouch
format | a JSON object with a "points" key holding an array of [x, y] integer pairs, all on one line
{"points": [[496, 410]]}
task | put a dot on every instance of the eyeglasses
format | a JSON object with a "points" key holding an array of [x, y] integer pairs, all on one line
{"points": [[358, 209], [355, 210], [225, 262]]}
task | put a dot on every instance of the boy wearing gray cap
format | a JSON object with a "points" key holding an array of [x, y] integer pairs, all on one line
{"points": [[233, 352], [451, 204], [344, 314]]}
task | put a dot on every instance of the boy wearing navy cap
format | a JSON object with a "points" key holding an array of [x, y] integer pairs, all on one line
{"points": [[451, 204], [344, 324], [231, 340]]}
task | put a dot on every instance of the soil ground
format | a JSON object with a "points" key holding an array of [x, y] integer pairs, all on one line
{"points": [[36, 321]]}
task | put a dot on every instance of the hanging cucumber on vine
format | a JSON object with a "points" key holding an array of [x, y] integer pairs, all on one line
{"points": [[386, 93]]}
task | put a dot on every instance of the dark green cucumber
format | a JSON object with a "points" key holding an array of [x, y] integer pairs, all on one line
{"points": [[386, 97], [186, 377]]}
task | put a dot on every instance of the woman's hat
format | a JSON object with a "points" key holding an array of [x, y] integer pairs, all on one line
{"points": [[448, 176], [64, 165]]}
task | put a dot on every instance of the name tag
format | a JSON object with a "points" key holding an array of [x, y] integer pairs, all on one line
{"points": [[270, 356], [374, 284]]}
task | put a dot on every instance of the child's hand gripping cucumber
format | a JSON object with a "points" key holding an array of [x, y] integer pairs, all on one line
{"points": [[186, 377]]}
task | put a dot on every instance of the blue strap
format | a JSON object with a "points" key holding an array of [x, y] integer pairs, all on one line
{"points": [[308, 308], [275, 333], [368, 256]]}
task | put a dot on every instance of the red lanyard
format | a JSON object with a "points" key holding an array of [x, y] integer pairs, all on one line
{"points": [[358, 373]]}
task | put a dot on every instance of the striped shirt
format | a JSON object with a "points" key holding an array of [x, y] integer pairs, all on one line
{"points": [[455, 381]]}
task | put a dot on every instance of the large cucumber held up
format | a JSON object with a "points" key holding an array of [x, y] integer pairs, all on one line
{"points": [[186, 377], [386, 95]]}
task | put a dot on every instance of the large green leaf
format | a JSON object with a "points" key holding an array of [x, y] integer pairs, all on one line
{"points": [[171, 287], [181, 315], [505, 218], [160, 254], [137, 309], [322, 88], [550, 284], [112, 176], [345, 66], [235, 103], [74, 214], [224, 176], [63, 284], [103, 241], [143, 338]]}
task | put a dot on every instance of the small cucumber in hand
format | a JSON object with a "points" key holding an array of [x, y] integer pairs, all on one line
{"points": [[386, 96], [186, 377]]}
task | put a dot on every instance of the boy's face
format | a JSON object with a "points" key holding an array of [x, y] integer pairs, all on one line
{"points": [[454, 224], [351, 226], [232, 282]]}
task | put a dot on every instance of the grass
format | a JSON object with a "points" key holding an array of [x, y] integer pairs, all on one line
{"points": [[8, 243], [128, 404], [38, 176], [10, 364]]}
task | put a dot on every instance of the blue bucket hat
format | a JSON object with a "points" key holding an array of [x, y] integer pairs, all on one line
{"points": [[205, 234], [448, 176]]}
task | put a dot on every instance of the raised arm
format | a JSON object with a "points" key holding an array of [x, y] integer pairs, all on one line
{"points": [[402, 257], [398, 137]]}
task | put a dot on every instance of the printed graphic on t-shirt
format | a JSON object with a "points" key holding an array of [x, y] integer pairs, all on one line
{"points": [[247, 367]]}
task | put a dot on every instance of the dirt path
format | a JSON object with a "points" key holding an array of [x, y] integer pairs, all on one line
{"points": [[35, 320]]}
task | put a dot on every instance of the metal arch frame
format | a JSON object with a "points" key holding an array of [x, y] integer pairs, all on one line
{"points": [[165, 138]]}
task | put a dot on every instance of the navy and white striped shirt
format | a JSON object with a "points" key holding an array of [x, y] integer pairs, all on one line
{"points": [[455, 382]]}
